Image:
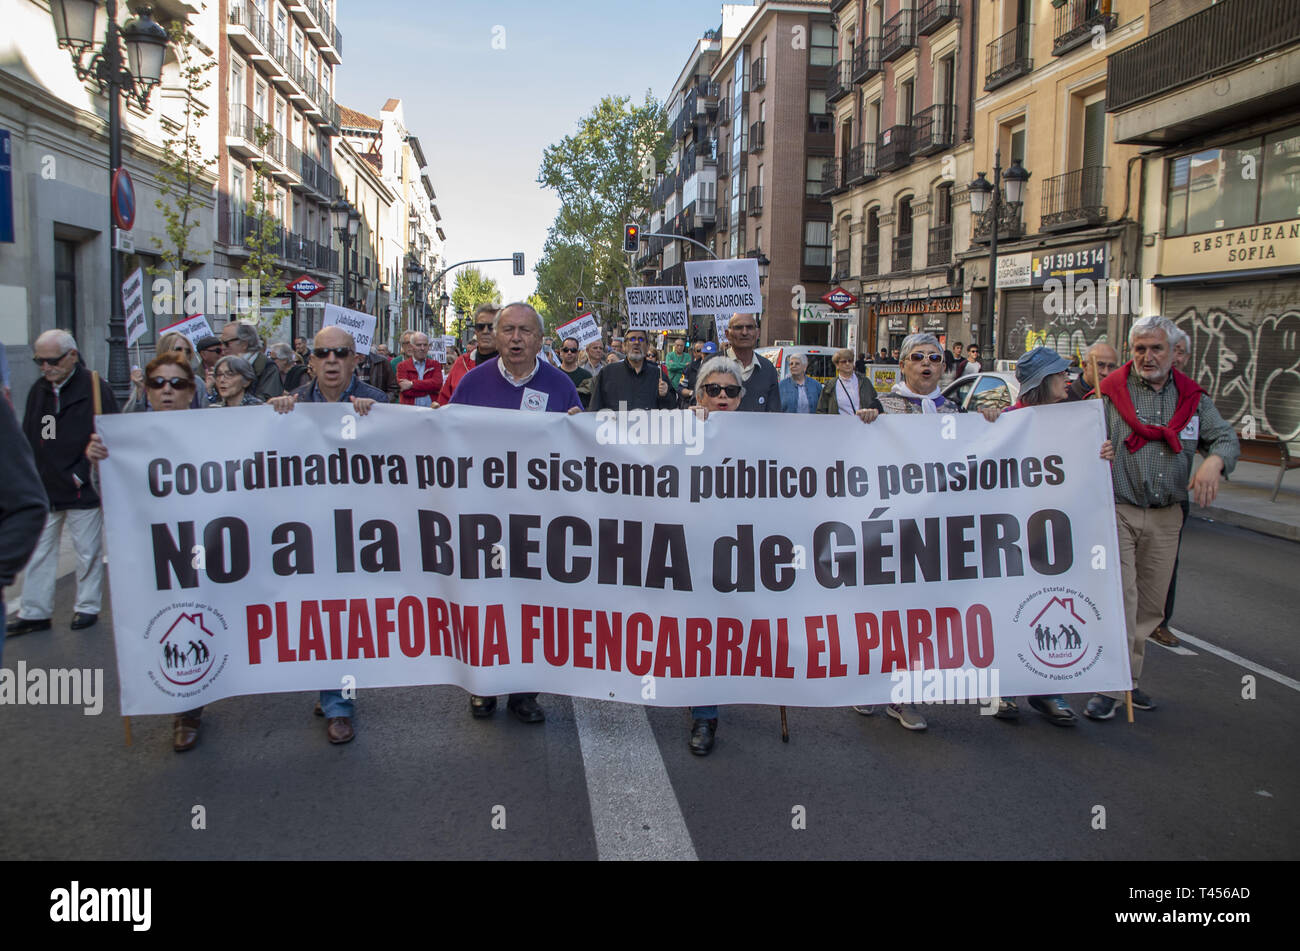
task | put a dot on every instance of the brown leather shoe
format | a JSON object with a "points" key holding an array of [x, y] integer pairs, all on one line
{"points": [[339, 729], [185, 733], [1162, 635]]}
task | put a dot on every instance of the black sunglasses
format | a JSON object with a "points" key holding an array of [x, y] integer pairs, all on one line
{"points": [[176, 382], [341, 352], [713, 389], [482, 326], [916, 357], [51, 361], [568, 350]]}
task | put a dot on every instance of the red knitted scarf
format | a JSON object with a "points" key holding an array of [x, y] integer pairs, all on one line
{"points": [[1115, 388]]}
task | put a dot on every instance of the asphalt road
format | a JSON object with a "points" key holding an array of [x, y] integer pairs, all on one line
{"points": [[1209, 775]]}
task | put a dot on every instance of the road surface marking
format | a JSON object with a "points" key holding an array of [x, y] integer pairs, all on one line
{"points": [[1173, 650], [634, 809], [1228, 655]]}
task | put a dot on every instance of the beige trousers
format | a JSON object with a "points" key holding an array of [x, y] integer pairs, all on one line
{"points": [[1148, 547]]}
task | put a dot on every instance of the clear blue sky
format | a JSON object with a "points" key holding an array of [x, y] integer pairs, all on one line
{"points": [[485, 115]]}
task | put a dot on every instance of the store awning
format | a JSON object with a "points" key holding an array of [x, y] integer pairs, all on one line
{"points": [[1219, 277]]}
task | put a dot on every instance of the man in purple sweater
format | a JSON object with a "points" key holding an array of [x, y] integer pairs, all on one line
{"points": [[517, 379]]}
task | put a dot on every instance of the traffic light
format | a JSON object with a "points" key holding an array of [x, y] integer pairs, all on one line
{"points": [[519, 263], [631, 238], [580, 305]]}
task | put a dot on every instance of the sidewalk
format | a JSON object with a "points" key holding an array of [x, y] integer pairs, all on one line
{"points": [[1244, 501]]}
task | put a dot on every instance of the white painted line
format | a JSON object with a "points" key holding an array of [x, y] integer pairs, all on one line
{"points": [[1173, 650], [634, 809], [1228, 655]]}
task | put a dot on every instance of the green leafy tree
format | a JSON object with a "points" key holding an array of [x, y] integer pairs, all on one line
{"points": [[265, 239], [184, 175], [598, 174], [473, 288], [539, 304]]}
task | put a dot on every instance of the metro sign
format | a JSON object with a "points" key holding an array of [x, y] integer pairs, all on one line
{"points": [[306, 287], [840, 299]]}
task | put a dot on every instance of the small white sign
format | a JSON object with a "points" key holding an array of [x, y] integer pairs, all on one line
{"points": [[194, 327], [448, 341], [720, 322], [1015, 270], [438, 349], [584, 328], [724, 287], [360, 325], [656, 308], [133, 305], [125, 243]]}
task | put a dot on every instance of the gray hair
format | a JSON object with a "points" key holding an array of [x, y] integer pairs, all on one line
{"points": [[496, 321], [913, 341], [240, 366], [717, 365], [1103, 342], [1178, 336], [62, 338], [248, 334], [279, 351], [1154, 324], [795, 356]]}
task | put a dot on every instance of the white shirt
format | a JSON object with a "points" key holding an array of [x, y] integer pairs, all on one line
{"points": [[505, 374], [846, 393], [425, 400]]}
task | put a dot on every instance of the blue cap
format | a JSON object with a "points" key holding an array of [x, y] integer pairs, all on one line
{"points": [[1037, 365], [710, 347]]}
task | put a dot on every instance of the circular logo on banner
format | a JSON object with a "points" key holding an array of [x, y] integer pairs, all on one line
{"points": [[123, 199], [187, 648], [534, 402], [1059, 626]]}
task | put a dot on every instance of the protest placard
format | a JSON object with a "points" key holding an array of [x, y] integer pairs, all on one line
{"points": [[133, 306], [724, 287], [586, 554], [360, 325], [195, 327], [657, 308], [584, 328]]}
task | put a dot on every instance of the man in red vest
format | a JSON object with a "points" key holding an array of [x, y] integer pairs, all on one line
{"points": [[419, 378], [1157, 418]]}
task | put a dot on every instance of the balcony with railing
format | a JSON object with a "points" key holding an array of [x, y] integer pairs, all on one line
{"points": [[1075, 199], [838, 82], [841, 265], [934, 129], [755, 199], [706, 209], [1008, 58], [1076, 22], [897, 35], [757, 133], [866, 59], [724, 110], [1011, 225], [894, 149], [870, 260], [758, 73], [860, 164], [830, 177], [1227, 38], [250, 32], [940, 245], [289, 248], [902, 253], [932, 14]]}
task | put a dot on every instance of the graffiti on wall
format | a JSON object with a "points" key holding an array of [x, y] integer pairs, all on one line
{"points": [[1249, 364], [1068, 334]]}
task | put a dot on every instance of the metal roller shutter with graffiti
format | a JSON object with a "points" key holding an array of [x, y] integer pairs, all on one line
{"points": [[1025, 313], [1245, 349]]}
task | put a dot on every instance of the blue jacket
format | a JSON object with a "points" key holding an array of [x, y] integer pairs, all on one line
{"points": [[790, 394]]}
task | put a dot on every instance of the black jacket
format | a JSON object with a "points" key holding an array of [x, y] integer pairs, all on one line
{"points": [[69, 425], [23, 505], [268, 378], [763, 389], [617, 384]]}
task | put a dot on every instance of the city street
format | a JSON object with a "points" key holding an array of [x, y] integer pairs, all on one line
{"points": [[1208, 775]]}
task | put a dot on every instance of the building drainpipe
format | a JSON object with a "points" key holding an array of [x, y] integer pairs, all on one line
{"points": [[974, 32]]}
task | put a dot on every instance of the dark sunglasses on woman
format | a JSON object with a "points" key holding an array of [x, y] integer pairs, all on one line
{"points": [[713, 389], [175, 382]]}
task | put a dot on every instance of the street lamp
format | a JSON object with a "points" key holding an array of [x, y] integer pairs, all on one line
{"points": [[346, 221], [415, 283], [146, 45], [443, 301], [981, 194]]}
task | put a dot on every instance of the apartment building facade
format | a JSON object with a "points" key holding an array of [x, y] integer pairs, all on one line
{"points": [[902, 94], [1069, 251], [1213, 96]]}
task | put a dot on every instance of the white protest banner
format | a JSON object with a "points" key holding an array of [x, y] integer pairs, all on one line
{"points": [[360, 325], [133, 306], [656, 308], [584, 328], [438, 349], [648, 557], [448, 341], [724, 287], [720, 322], [194, 327]]}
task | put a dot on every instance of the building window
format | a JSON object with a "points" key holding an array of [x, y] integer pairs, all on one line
{"points": [[822, 51], [259, 101], [65, 286], [817, 244], [813, 176], [817, 102], [1280, 189], [237, 83], [1244, 183]]}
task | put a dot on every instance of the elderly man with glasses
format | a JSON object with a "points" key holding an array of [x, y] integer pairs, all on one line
{"points": [[485, 348], [1098, 360], [58, 421], [762, 382], [241, 340], [569, 353], [634, 383]]}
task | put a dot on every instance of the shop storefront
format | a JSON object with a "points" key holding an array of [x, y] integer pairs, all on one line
{"points": [[1061, 298], [897, 319]]}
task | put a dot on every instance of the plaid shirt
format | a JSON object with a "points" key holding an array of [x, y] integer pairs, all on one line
{"points": [[1154, 476]]}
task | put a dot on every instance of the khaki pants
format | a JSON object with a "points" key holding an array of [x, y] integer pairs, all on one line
{"points": [[1148, 548]]}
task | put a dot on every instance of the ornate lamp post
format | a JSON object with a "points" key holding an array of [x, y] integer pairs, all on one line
{"points": [[346, 221], [146, 44], [980, 194], [415, 287]]}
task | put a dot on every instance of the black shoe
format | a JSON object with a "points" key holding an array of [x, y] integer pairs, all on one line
{"points": [[527, 709], [1142, 701], [80, 621], [25, 625], [482, 706], [702, 736]]}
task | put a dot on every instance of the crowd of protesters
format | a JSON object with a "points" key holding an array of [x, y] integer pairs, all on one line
{"points": [[1156, 421]]}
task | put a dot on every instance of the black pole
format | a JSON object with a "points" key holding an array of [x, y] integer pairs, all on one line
{"points": [[993, 255], [119, 375]]}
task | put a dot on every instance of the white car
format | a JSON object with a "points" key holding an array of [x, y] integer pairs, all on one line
{"points": [[990, 388]]}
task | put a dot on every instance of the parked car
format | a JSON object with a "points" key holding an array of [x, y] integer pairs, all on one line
{"points": [[820, 367], [990, 388]]}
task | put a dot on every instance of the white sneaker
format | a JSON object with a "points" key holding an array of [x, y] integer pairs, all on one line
{"points": [[865, 711], [907, 715]]}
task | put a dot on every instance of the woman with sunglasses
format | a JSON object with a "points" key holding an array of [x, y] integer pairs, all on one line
{"points": [[850, 393], [169, 383], [168, 343], [235, 378]]}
